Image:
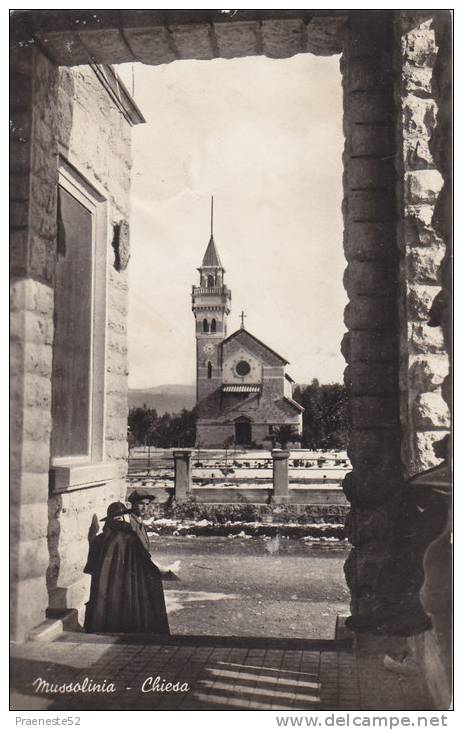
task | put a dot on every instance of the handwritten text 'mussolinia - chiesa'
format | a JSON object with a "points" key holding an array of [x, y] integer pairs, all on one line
{"points": [[88, 686]]}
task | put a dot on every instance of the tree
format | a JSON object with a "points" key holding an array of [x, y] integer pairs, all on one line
{"points": [[140, 423], [285, 434], [324, 422], [146, 427]]}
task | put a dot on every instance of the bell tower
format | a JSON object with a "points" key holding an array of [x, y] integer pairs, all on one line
{"points": [[210, 305]]}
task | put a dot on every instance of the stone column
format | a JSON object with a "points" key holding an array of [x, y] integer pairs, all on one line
{"points": [[280, 475], [182, 461], [375, 486], [384, 167]]}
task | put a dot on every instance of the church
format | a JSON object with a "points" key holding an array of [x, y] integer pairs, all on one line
{"points": [[243, 391]]}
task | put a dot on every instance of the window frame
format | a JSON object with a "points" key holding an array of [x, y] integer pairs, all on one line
{"points": [[74, 472]]}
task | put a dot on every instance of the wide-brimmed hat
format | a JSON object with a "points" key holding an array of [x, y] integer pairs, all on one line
{"points": [[138, 494], [115, 509]]}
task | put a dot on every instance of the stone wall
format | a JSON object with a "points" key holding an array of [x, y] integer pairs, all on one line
{"points": [[423, 355], [434, 649], [33, 230], [68, 112]]}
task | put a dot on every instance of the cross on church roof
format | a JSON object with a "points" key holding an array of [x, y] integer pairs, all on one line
{"points": [[242, 315]]}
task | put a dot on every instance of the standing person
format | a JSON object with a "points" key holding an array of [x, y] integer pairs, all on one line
{"points": [[140, 500], [126, 593]]}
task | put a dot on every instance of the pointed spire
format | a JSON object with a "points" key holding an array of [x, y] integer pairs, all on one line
{"points": [[211, 257]]}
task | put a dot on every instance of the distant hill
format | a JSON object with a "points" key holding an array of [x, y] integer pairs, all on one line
{"points": [[164, 398]]}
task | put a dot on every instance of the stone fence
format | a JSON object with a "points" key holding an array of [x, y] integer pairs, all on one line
{"points": [[279, 492]]}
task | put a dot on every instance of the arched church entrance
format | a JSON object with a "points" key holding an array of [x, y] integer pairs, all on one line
{"points": [[243, 431]]}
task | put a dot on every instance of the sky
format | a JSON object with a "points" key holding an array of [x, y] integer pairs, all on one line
{"points": [[265, 138]]}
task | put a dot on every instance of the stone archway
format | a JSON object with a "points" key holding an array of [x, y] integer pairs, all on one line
{"points": [[389, 199]]}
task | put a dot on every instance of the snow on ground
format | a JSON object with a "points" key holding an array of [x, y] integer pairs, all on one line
{"points": [[176, 600]]}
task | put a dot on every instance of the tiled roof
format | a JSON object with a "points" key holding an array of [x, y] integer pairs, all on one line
{"points": [[241, 388], [211, 257], [244, 334], [295, 404]]}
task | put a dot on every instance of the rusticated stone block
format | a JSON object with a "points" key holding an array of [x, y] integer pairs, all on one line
{"points": [[375, 107], [18, 251], [36, 455], [427, 373], [370, 313], [430, 412], [151, 44], [422, 186], [19, 186], [370, 487], [368, 173], [29, 488], [373, 139], [416, 79], [116, 450], [283, 38], [418, 226], [108, 45], [21, 89], [367, 526], [36, 424], [116, 428], [423, 264], [30, 559], [419, 300], [235, 40], [32, 296], [31, 327], [373, 205], [117, 405], [370, 347], [325, 36], [41, 258], [423, 456], [373, 412], [19, 166], [374, 448], [32, 521], [419, 117], [364, 566], [425, 339], [368, 241], [18, 213], [192, 41], [365, 74], [417, 155], [37, 391], [369, 278], [368, 35], [25, 611], [419, 44], [371, 378]]}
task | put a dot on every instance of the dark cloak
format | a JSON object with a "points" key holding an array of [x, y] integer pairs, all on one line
{"points": [[126, 594]]}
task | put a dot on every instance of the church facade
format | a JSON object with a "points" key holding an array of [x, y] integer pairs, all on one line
{"points": [[243, 392]]}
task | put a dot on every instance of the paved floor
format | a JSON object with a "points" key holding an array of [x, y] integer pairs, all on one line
{"points": [[222, 673]]}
